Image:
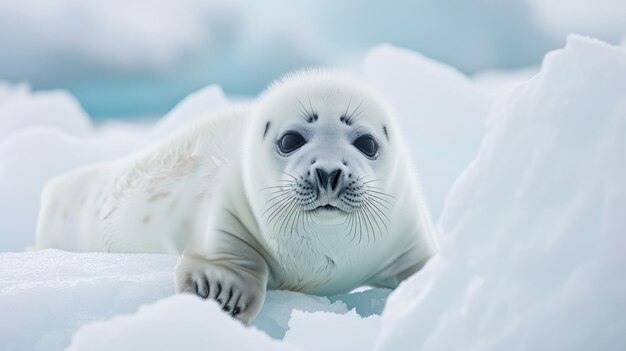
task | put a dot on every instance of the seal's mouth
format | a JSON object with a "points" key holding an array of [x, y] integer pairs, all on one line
{"points": [[327, 208]]}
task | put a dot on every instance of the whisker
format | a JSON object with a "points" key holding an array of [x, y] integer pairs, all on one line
{"points": [[291, 175], [278, 197], [379, 204], [302, 105], [365, 224], [311, 105], [374, 210], [351, 116], [282, 215], [283, 191], [353, 226], [277, 211], [372, 180], [380, 211], [370, 208], [384, 204], [347, 108], [382, 196], [287, 217], [303, 114], [369, 226], [278, 187]]}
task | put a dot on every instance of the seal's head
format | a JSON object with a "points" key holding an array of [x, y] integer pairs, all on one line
{"points": [[320, 155]]}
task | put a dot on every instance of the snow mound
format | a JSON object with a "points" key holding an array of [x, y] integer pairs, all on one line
{"points": [[49, 294], [533, 248], [275, 315], [194, 106], [442, 114], [330, 331], [20, 108], [175, 323]]}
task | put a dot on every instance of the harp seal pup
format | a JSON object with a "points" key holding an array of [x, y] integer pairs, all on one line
{"points": [[308, 189]]}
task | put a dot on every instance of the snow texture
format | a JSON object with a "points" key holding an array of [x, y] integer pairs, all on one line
{"points": [[34, 109], [442, 113], [49, 294], [533, 251], [175, 323]]}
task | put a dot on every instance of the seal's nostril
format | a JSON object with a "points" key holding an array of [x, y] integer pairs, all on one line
{"points": [[327, 181], [333, 179], [322, 178]]}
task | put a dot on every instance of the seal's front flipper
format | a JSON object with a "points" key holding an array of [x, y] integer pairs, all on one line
{"points": [[239, 291]]}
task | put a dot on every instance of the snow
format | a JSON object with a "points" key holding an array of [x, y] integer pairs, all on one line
{"points": [[50, 294], [532, 245], [330, 331], [444, 136], [274, 317], [529, 192], [497, 83], [194, 106], [158, 327], [21, 108]]}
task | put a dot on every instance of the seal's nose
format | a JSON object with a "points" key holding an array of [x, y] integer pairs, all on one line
{"points": [[329, 181]]}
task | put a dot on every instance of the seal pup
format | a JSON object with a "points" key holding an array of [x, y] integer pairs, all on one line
{"points": [[308, 189]]}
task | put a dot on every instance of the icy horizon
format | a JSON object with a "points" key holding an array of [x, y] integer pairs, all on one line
{"points": [[122, 60]]}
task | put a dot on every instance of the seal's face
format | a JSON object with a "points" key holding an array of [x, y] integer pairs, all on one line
{"points": [[325, 160]]}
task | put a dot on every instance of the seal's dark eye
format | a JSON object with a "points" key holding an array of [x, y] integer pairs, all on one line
{"points": [[367, 145], [291, 141]]}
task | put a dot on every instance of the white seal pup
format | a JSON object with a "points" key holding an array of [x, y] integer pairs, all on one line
{"points": [[309, 189]]}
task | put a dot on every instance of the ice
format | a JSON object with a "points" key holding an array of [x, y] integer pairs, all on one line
{"points": [[20, 108], [442, 114], [532, 245], [49, 294], [194, 106], [330, 331], [174, 323], [498, 83], [275, 314], [45, 296], [366, 303]]}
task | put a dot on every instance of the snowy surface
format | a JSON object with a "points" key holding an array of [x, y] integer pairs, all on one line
{"points": [[531, 191], [443, 114], [46, 296], [533, 251]]}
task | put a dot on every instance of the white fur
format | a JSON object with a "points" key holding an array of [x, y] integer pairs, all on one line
{"points": [[201, 192]]}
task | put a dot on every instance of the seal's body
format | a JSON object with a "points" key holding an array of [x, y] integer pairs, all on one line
{"points": [[309, 189]]}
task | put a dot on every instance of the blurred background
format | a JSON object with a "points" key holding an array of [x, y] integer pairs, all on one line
{"points": [[137, 59]]}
